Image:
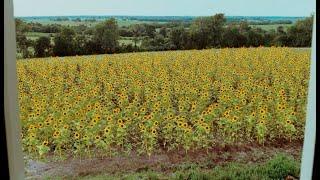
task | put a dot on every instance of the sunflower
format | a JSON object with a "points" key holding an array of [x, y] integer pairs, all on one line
{"points": [[262, 111], [40, 125], [154, 132], [45, 143], [142, 129], [288, 121], [107, 130], [97, 137], [156, 123], [56, 134], [185, 125], [121, 125], [76, 135]]}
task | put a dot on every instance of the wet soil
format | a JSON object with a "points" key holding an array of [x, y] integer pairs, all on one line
{"points": [[162, 161]]}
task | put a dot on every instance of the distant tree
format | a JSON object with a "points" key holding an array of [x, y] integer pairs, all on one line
{"points": [[64, 44], [42, 46], [150, 30], [178, 37], [158, 43], [106, 36], [89, 31], [200, 33], [127, 48], [280, 30], [80, 29], [269, 37], [62, 19], [244, 27], [137, 30], [300, 34], [207, 31], [77, 20], [90, 20], [21, 26], [232, 37], [125, 32], [80, 44], [255, 38], [163, 31], [23, 45], [281, 37], [215, 26]]}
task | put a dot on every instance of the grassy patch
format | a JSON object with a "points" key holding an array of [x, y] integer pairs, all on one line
{"points": [[278, 167], [268, 27]]}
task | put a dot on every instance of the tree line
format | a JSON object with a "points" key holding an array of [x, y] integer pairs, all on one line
{"points": [[201, 33]]}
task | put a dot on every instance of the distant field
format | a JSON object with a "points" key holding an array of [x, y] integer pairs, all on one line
{"points": [[121, 22], [129, 40], [272, 26], [35, 35]]}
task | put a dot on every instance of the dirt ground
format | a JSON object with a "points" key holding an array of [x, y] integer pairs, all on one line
{"points": [[162, 161]]}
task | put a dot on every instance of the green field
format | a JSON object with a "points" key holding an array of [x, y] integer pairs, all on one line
{"points": [[129, 40], [35, 35], [121, 22], [272, 26]]}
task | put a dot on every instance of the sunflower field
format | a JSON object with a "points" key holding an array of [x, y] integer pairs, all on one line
{"points": [[170, 100]]}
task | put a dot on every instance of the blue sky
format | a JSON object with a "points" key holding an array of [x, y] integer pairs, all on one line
{"points": [[164, 7]]}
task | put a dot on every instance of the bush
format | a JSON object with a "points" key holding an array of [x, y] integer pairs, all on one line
{"points": [[281, 166]]}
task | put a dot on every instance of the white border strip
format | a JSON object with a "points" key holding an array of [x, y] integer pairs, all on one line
{"points": [[11, 111], [310, 127]]}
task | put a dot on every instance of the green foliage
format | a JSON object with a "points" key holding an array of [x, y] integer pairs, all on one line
{"points": [[64, 43], [42, 46], [83, 38], [207, 31], [178, 37], [300, 34], [281, 166], [106, 36], [23, 44]]}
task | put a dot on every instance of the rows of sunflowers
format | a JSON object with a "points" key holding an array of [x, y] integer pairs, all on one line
{"points": [[171, 100]]}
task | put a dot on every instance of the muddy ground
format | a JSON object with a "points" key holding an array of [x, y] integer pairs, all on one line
{"points": [[162, 161]]}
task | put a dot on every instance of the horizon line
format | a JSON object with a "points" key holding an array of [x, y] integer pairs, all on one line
{"points": [[165, 15]]}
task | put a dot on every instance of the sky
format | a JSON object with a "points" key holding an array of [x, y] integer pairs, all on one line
{"points": [[164, 7]]}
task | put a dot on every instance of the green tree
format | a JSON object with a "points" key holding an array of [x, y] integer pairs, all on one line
{"points": [[106, 36], [21, 26], [137, 30], [231, 37], [42, 46], [23, 45], [150, 30], [255, 37], [200, 33], [281, 37], [300, 34], [207, 31], [178, 37], [163, 31], [215, 25], [64, 43]]}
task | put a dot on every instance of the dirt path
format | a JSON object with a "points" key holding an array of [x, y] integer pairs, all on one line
{"points": [[163, 161]]}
